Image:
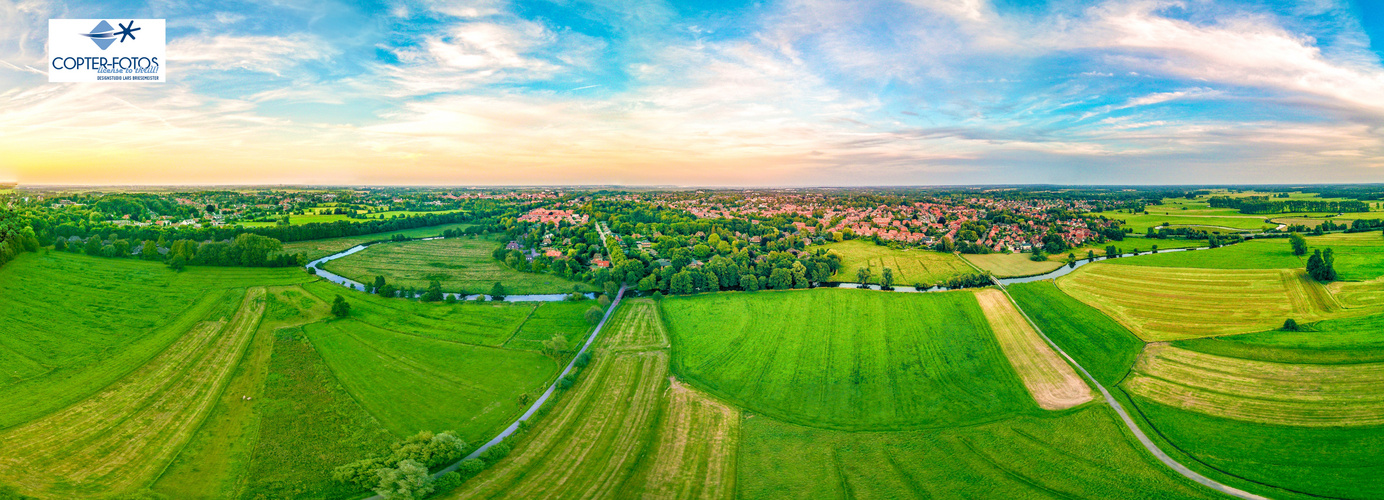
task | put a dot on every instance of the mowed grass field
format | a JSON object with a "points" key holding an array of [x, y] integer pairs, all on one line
{"points": [[1209, 219], [1011, 265], [459, 264], [847, 359], [1257, 391], [1053, 383], [316, 249], [910, 266], [1101, 345], [124, 435], [1164, 303], [623, 431], [80, 323], [1081, 453]]}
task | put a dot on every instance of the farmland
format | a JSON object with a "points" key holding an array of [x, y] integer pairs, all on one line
{"points": [[1106, 349], [459, 264], [121, 437], [1010, 265], [1263, 392], [1211, 220], [846, 358], [1067, 455], [623, 430], [910, 266], [1161, 303], [316, 249], [1053, 383]]}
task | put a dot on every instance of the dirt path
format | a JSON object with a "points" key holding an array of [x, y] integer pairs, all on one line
{"points": [[1053, 383], [1129, 422]]}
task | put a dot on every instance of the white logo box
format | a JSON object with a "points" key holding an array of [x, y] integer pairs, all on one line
{"points": [[106, 50]]}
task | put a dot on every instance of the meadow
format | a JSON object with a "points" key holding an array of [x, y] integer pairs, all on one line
{"points": [[1258, 391], [1334, 341], [1053, 383], [846, 359], [1224, 221], [1081, 453], [121, 438], [910, 266], [1164, 303], [1011, 265], [1254, 254], [316, 249], [1102, 346], [326, 217], [623, 431], [459, 264], [1279, 461]]}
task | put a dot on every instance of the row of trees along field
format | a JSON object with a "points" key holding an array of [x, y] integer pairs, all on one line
{"points": [[249, 250], [1266, 205]]}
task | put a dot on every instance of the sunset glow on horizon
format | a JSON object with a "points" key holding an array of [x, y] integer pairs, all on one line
{"points": [[715, 93]]}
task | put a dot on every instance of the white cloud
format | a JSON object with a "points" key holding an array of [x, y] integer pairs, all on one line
{"points": [[268, 54]]}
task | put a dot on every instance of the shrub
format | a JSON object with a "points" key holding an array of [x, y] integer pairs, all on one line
{"points": [[425, 448], [657, 295], [470, 467], [1290, 325], [594, 314], [445, 483], [583, 360], [495, 453]]}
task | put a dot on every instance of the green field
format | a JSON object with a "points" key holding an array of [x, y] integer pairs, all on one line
{"points": [[1011, 265], [910, 266], [1253, 254], [1171, 303], [1222, 221], [1083, 453], [1333, 341], [314, 217], [316, 249], [1128, 245], [1103, 347], [460, 264], [1275, 460], [848, 359], [624, 431]]}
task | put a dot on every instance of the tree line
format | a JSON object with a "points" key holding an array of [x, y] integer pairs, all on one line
{"points": [[1266, 205]]}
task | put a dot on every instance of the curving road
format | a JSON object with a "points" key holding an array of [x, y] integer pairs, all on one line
{"points": [[1129, 422]]}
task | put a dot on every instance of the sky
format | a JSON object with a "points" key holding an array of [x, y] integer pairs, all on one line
{"points": [[709, 93]]}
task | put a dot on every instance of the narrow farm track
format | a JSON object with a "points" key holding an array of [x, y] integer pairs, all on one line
{"points": [[1052, 383], [1129, 422]]}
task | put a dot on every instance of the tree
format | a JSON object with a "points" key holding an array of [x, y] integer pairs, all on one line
{"points": [[862, 275], [177, 263], [886, 280], [434, 292], [497, 292], [1320, 266], [799, 275], [1091, 255], [749, 282], [781, 279], [340, 308], [408, 481], [1298, 243], [594, 314], [149, 250], [681, 283], [657, 296], [1111, 252], [556, 346], [1290, 325], [93, 246]]}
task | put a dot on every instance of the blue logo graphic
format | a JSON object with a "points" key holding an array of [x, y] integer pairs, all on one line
{"points": [[104, 35]]}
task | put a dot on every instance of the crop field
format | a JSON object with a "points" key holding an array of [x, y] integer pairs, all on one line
{"points": [[487, 323], [1253, 254], [1359, 256], [459, 264], [1257, 391], [1082, 453], [847, 359], [122, 437], [1163, 303], [1102, 346], [553, 318], [1298, 462], [316, 249], [1223, 221], [588, 447], [637, 326], [412, 383], [910, 266], [623, 431], [1053, 383], [1129, 244], [1335, 341], [75, 344], [1011, 265]]}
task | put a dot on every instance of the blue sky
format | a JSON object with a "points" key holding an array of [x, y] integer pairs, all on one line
{"points": [[793, 93]]}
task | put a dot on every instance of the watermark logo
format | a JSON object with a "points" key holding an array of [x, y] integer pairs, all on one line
{"points": [[132, 53]]}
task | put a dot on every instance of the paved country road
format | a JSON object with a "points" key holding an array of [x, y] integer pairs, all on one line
{"points": [[1129, 422], [541, 399]]}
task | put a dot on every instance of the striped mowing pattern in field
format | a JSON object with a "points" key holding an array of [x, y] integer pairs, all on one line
{"points": [[909, 266], [1053, 383], [1358, 293], [589, 446], [697, 444], [1169, 303], [459, 264], [1257, 391], [846, 359], [122, 437], [1005, 265], [636, 326]]}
